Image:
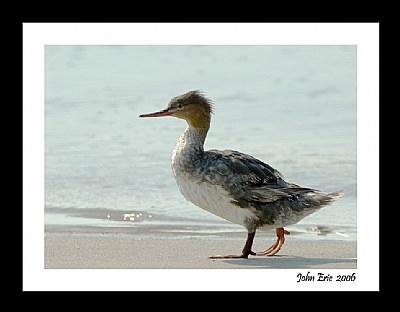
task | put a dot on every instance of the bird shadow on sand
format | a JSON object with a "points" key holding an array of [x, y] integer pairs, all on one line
{"points": [[293, 262]]}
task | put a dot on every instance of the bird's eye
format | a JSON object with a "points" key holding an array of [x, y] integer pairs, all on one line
{"points": [[180, 106]]}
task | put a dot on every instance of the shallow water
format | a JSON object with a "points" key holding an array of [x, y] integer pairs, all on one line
{"points": [[106, 170]]}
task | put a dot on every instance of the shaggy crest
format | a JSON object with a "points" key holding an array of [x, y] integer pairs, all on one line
{"points": [[195, 97]]}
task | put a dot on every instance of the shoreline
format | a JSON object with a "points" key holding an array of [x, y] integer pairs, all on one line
{"points": [[99, 251]]}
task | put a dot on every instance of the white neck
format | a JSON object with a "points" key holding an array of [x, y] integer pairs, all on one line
{"points": [[193, 139], [188, 149]]}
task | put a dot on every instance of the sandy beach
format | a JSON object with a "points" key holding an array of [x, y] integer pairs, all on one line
{"points": [[113, 252]]}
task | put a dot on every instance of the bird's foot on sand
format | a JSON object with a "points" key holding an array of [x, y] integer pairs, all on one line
{"points": [[245, 252], [242, 256]]}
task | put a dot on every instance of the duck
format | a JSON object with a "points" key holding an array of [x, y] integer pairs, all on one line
{"points": [[233, 185]]}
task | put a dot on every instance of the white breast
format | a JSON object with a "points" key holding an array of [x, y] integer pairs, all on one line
{"points": [[196, 189], [212, 198]]}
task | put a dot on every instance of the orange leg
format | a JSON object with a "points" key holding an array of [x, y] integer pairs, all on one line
{"points": [[280, 233], [245, 252]]}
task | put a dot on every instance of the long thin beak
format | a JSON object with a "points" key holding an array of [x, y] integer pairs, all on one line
{"points": [[161, 113]]}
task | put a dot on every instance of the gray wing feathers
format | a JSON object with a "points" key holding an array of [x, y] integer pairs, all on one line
{"points": [[241, 168], [253, 183]]}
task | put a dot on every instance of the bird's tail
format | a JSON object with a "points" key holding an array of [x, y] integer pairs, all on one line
{"points": [[321, 199], [334, 196]]}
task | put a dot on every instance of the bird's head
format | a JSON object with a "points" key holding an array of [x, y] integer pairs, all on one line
{"points": [[192, 106]]}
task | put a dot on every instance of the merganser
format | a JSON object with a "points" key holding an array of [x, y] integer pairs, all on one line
{"points": [[233, 185]]}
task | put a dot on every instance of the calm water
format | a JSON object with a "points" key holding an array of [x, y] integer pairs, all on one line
{"points": [[107, 171]]}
